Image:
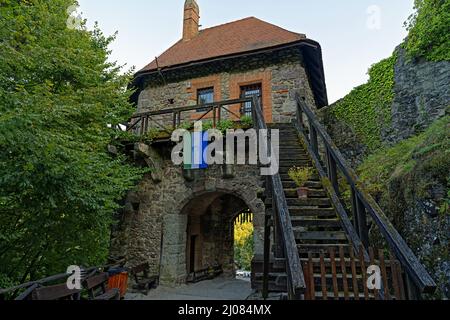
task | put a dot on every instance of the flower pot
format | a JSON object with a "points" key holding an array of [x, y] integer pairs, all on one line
{"points": [[302, 192]]}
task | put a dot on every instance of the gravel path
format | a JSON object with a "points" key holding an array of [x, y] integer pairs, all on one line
{"points": [[217, 289]]}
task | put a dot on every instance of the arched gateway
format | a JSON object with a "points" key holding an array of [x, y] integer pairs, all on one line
{"points": [[180, 226]]}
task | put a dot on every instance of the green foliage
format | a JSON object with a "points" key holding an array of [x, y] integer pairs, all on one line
{"points": [[247, 121], [404, 176], [300, 175], [367, 109], [59, 187], [429, 151], [429, 30], [225, 125]]}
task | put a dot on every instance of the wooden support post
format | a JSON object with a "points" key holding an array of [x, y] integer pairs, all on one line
{"points": [[314, 141], [267, 225], [332, 173], [179, 119], [174, 121], [412, 292], [142, 126], [362, 222], [355, 211], [300, 118]]}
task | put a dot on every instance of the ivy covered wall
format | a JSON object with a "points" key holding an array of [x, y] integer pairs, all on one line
{"points": [[395, 131]]}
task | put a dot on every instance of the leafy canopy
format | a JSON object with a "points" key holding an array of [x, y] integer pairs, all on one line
{"points": [[429, 30], [59, 96]]}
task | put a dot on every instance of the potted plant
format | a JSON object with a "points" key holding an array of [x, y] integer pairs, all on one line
{"points": [[301, 176]]}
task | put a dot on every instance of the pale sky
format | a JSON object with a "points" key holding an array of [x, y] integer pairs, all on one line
{"points": [[354, 34]]}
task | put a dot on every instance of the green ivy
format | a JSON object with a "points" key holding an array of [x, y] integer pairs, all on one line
{"points": [[367, 109], [429, 30]]}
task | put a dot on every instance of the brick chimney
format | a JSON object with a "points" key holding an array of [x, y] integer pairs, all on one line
{"points": [[191, 20]]}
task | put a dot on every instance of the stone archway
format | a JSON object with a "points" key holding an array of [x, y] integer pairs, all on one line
{"points": [[210, 231], [227, 202]]}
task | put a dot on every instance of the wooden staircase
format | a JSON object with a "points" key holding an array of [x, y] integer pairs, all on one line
{"points": [[332, 269]]}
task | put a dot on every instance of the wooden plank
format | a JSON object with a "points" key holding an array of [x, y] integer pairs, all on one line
{"points": [[384, 275], [267, 222], [354, 275], [334, 274], [395, 275], [373, 263], [363, 273], [323, 278], [308, 281], [400, 280], [312, 283], [193, 108], [344, 273]]}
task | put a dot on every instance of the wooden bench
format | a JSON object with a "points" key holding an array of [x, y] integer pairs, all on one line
{"points": [[56, 292], [97, 288], [205, 274], [143, 282]]}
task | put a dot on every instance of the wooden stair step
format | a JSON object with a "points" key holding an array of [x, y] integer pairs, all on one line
{"points": [[320, 235], [285, 177], [317, 248], [310, 202], [330, 296], [309, 184], [312, 193], [312, 212], [320, 223]]}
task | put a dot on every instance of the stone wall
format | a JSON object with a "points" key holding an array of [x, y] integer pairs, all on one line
{"points": [[421, 96], [154, 224], [281, 75]]}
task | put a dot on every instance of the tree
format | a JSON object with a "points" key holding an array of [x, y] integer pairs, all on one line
{"points": [[243, 245], [429, 30], [59, 96]]}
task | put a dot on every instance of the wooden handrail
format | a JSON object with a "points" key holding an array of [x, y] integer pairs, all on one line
{"points": [[362, 201], [30, 286], [215, 108], [296, 279], [192, 108]]}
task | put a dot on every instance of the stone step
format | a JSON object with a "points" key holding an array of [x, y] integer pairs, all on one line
{"points": [[299, 164], [309, 184], [330, 296], [312, 193], [332, 236], [285, 177], [311, 202], [299, 221], [317, 248]]}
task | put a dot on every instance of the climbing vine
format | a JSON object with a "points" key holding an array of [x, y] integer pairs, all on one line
{"points": [[429, 30], [367, 109]]}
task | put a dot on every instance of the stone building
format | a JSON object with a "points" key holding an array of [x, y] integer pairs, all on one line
{"points": [[178, 225]]}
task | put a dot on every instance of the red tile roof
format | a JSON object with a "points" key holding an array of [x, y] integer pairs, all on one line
{"points": [[235, 37]]}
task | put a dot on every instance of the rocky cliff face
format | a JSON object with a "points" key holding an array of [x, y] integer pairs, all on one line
{"points": [[421, 96], [414, 192]]}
